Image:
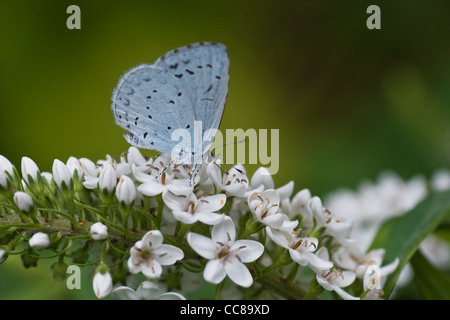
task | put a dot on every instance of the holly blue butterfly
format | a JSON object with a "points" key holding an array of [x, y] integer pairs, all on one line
{"points": [[185, 88]]}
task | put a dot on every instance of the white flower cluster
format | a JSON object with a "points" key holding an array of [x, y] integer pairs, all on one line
{"points": [[220, 216], [376, 201]]}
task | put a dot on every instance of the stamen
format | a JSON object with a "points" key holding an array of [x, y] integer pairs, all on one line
{"points": [[298, 244]]}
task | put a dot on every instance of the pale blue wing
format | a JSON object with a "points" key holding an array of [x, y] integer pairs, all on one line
{"points": [[150, 104], [187, 84], [203, 67]]}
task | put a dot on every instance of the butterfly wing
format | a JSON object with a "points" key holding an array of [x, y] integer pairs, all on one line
{"points": [[150, 104], [204, 68]]}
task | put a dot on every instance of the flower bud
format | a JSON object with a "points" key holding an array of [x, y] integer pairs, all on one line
{"points": [[29, 170], [61, 174], [126, 191], [47, 176], [74, 165], [24, 202], [135, 156], [3, 255], [3, 179], [262, 177], [107, 180], [99, 231], [39, 240], [5, 165], [102, 282], [88, 167]]}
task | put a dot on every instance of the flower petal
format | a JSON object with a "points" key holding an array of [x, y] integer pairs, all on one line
{"points": [[171, 296], [173, 201], [140, 175], [180, 187], [300, 203], [152, 239], [185, 217], [202, 245], [317, 263], [134, 267], [151, 269], [278, 237], [210, 218], [315, 205], [150, 188], [345, 280], [214, 271], [343, 294], [249, 250], [262, 177], [211, 203], [224, 232], [214, 173], [236, 189], [167, 254], [147, 291], [238, 273], [274, 221], [125, 293], [286, 190]]}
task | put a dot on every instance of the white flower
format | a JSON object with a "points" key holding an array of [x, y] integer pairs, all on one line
{"points": [[188, 209], [265, 207], [5, 165], [150, 254], [299, 204], [102, 284], [353, 259], [262, 176], [61, 174], [89, 168], [126, 191], [47, 176], [263, 179], [440, 180], [160, 179], [107, 180], [73, 164], [39, 240], [334, 280], [300, 249], [3, 179], [99, 231], [234, 181], [135, 156], [146, 291], [3, 255], [339, 230], [24, 201], [226, 256], [29, 170]]}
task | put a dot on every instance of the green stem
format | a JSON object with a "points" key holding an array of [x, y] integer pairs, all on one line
{"points": [[282, 260], [273, 282], [219, 288]]}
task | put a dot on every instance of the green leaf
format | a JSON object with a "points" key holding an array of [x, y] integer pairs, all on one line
{"points": [[434, 284], [402, 235], [29, 260]]}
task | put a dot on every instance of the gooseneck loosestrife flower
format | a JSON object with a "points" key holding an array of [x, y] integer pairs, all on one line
{"points": [[172, 222], [226, 256]]}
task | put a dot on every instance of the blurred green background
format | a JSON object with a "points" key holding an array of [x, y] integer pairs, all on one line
{"points": [[349, 102]]}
